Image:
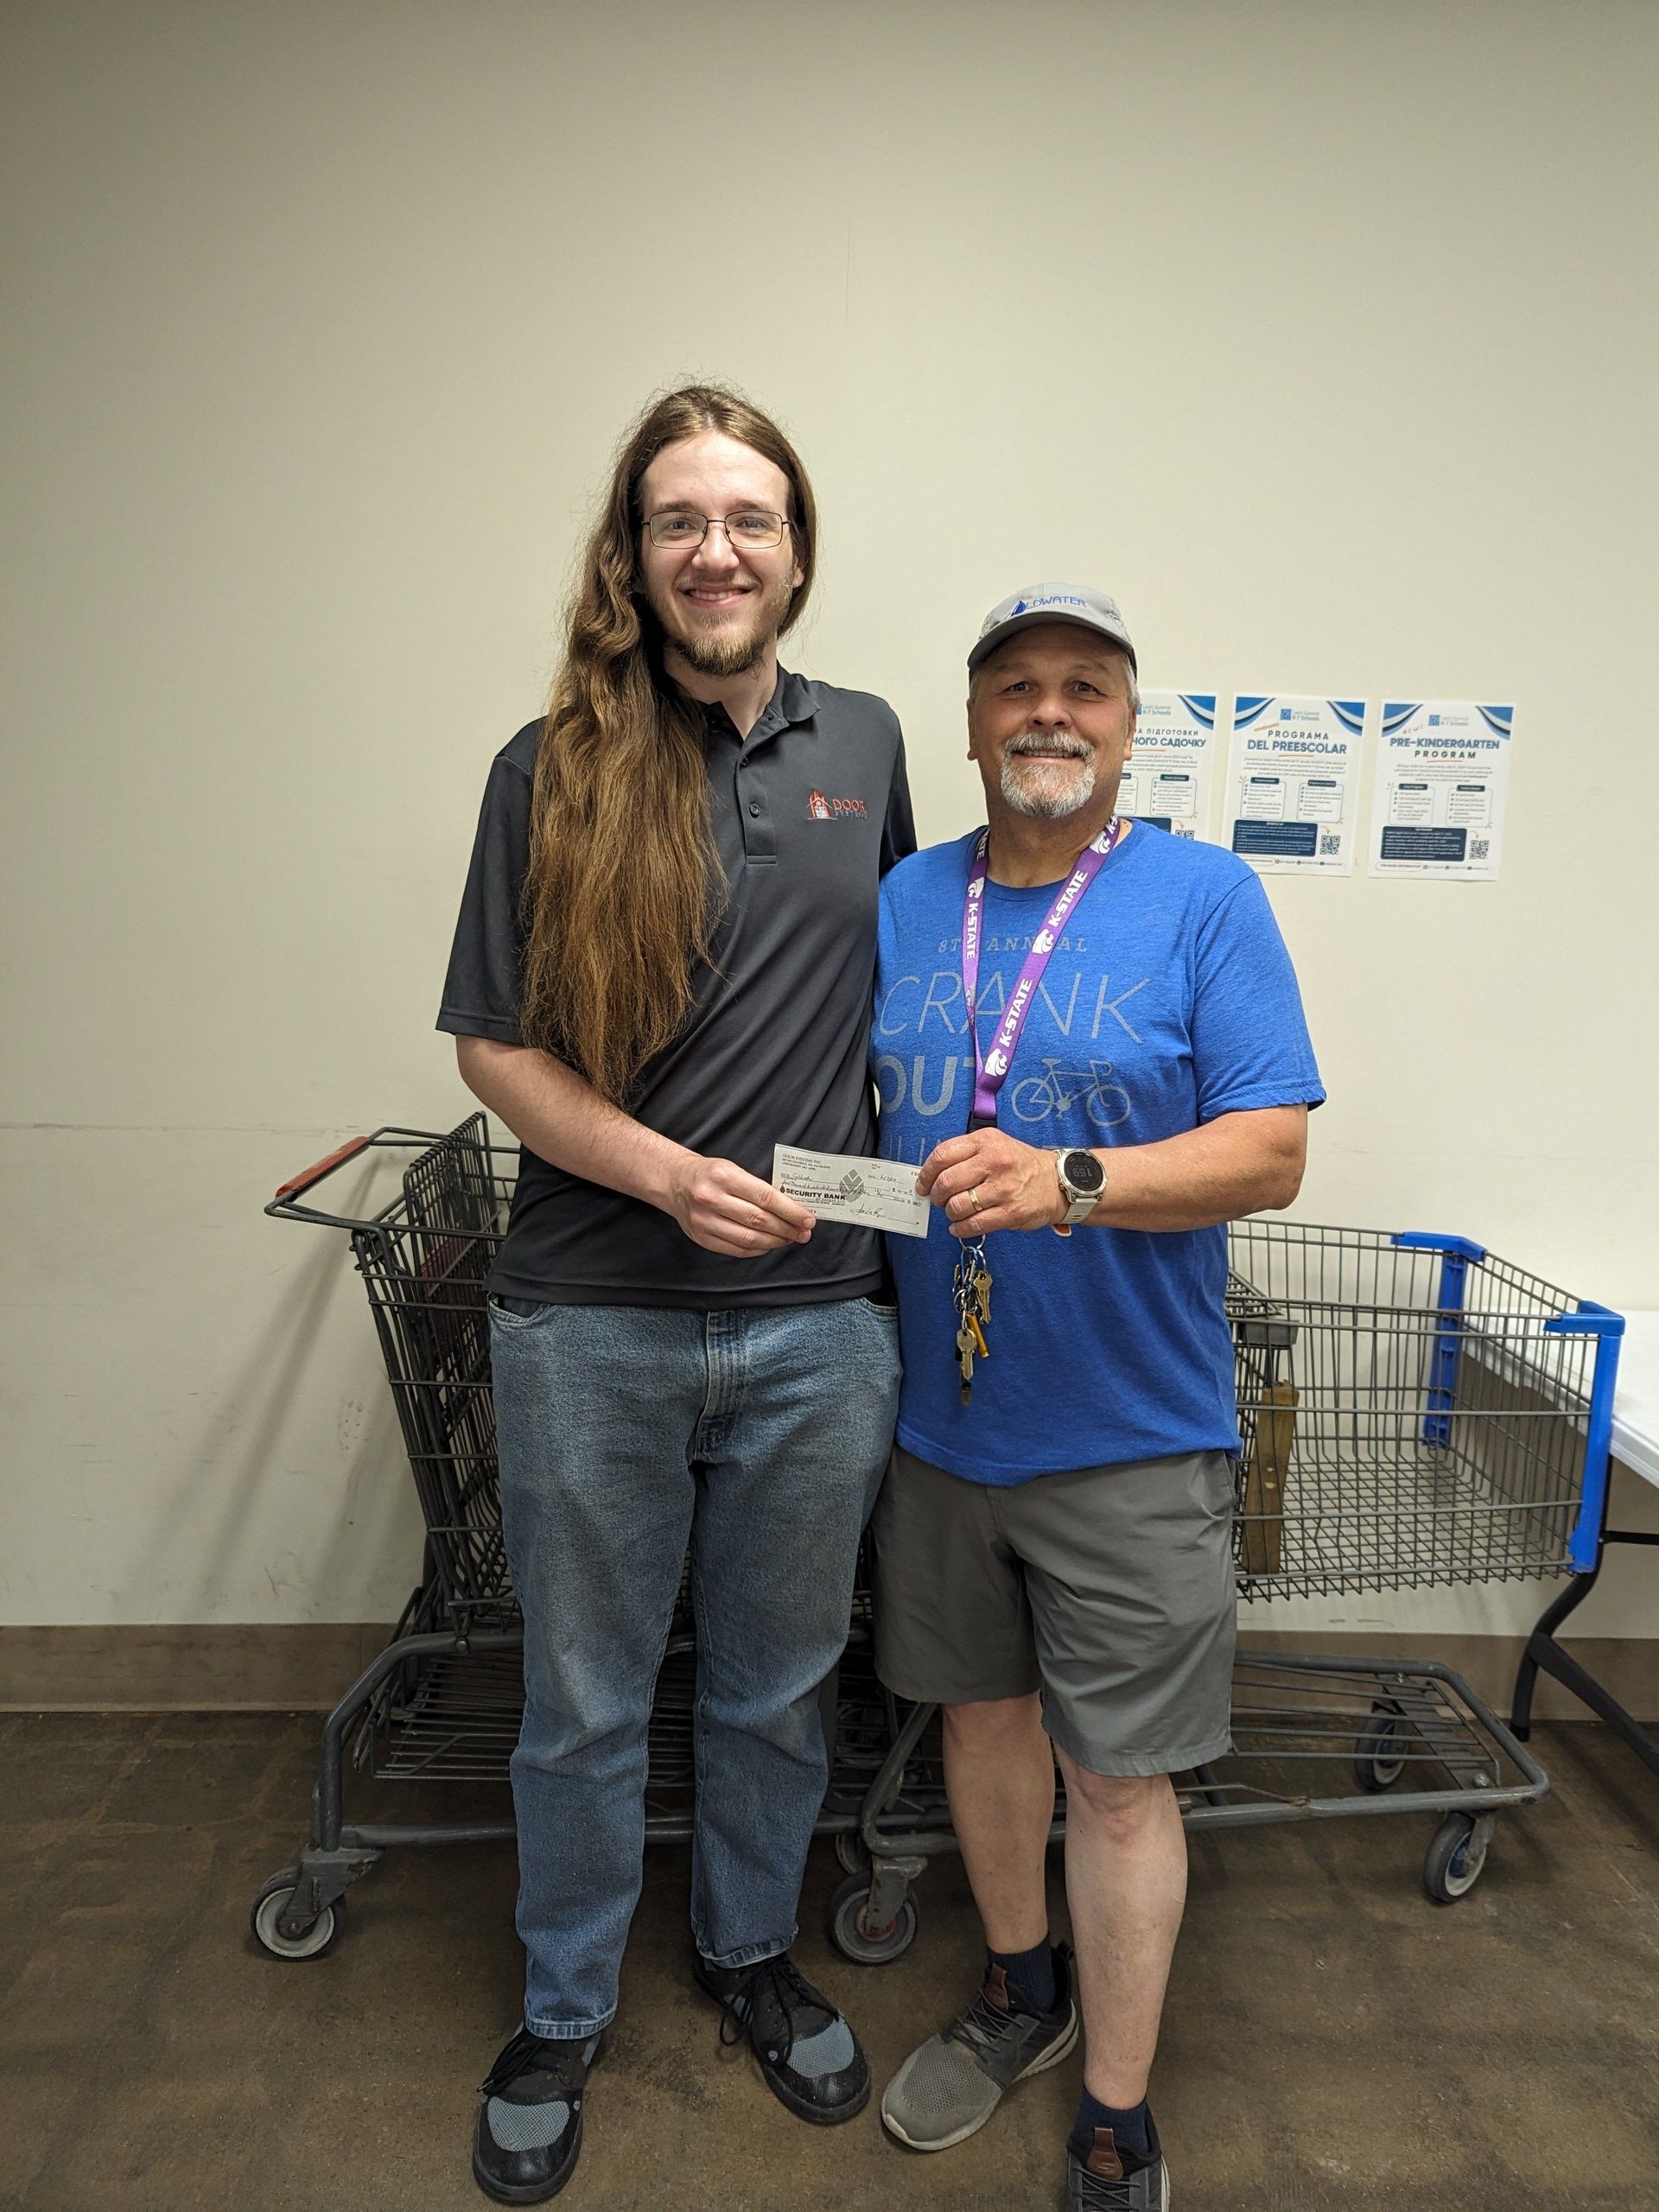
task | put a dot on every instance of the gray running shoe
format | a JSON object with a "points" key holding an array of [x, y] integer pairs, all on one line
{"points": [[953, 2084], [1107, 2179]]}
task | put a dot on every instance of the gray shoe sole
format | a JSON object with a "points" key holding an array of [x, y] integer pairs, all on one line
{"points": [[1041, 2064]]}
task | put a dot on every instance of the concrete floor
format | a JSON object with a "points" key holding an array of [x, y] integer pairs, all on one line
{"points": [[1333, 2039]]}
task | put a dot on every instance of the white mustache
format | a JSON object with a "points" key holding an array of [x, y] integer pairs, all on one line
{"points": [[1072, 748]]}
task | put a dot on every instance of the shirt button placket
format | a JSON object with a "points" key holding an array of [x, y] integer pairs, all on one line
{"points": [[760, 841]]}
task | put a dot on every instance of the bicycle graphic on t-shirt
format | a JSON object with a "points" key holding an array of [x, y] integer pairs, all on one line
{"points": [[1041, 1095]]}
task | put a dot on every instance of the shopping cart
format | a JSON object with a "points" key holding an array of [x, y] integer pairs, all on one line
{"points": [[443, 1702], [1412, 1412]]}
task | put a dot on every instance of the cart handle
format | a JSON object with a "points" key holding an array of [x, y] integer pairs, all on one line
{"points": [[315, 1173], [286, 1205]]}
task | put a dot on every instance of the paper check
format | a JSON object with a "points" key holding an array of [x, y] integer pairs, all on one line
{"points": [[840, 1186]]}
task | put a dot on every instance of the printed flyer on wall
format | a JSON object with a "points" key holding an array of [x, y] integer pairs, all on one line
{"points": [[1166, 779], [1442, 774], [1293, 783]]}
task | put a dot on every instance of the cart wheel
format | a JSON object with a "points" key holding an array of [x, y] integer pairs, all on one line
{"points": [[1456, 1857], [319, 1939], [866, 1946], [1378, 1761], [850, 1854]]}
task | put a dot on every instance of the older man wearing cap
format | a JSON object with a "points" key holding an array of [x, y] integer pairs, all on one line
{"points": [[1082, 1025]]}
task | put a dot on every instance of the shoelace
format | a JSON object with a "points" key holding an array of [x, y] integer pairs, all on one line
{"points": [[980, 2025], [1099, 2195], [527, 2050], [783, 1979]]}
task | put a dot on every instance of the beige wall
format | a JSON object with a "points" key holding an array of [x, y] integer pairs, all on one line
{"points": [[1323, 334]]}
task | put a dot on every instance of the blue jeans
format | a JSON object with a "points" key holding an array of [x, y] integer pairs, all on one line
{"points": [[759, 1436]]}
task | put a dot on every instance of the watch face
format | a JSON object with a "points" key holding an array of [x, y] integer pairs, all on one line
{"points": [[1083, 1171]]}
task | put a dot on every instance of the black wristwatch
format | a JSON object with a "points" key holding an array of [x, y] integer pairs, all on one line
{"points": [[1082, 1180]]}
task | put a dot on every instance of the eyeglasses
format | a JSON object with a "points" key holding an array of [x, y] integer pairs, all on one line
{"points": [[750, 531]]}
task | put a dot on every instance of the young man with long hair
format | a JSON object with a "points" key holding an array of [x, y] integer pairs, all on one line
{"points": [[663, 968]]}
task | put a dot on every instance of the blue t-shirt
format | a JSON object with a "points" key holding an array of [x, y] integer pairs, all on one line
{"points": [[1169, 999]]}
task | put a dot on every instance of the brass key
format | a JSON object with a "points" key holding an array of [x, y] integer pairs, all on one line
{"points": [[966, 1346]]}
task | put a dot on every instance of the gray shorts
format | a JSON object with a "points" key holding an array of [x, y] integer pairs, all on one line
{"points": [[1110, 1589]]}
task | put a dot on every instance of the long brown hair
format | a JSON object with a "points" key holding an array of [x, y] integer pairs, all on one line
{"points": [[624, 887]]}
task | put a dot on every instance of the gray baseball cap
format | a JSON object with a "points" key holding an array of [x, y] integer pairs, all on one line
{"points": [[1091, 610]]}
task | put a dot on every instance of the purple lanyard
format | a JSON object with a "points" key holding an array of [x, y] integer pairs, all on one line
{"points": [[990, 1070]]}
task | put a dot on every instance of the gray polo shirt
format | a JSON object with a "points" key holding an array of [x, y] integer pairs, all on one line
{"points": [[808, 813]]}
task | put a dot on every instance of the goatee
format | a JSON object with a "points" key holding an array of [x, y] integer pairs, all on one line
{"points": [[718, 656], [731, 647], [1040, 793]]}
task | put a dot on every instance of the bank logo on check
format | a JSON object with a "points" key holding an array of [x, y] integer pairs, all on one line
{"points": [[847, 1187]]}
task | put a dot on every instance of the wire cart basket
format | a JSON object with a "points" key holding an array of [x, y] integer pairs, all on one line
{"points": [[1412, 1412], [443, 1701]]}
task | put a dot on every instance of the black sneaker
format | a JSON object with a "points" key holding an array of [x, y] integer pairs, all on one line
{"points": [[807, 2053], [950, 2085], [528, 2134], [1104, 2177]]}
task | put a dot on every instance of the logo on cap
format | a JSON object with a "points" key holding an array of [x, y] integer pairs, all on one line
{"points": [[1066, 602]]}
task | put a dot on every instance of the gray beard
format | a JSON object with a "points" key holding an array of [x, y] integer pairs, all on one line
{"points": [[1051, 804]]}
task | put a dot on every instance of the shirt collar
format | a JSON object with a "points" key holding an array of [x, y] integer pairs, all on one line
{"points": [[793, 700], [791, 703]]}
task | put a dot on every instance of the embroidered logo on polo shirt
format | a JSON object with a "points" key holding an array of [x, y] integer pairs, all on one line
{"points": [[820, 809]]}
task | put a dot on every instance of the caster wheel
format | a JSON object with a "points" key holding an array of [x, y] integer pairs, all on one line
{"points": [[319, 1939], [854, 1940], [1456, 1857], [1378, 1760], [850, 1854]]}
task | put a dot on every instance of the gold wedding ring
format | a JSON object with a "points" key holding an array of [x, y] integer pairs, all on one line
{"points": [[973, 1197]]}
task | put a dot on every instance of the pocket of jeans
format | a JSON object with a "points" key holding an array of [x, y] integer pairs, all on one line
{"points": [[889, 1314], [517, 1312]]}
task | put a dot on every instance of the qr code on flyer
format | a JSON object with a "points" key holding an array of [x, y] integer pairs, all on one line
{"points": [[1479, 848], [1330, 844]]}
